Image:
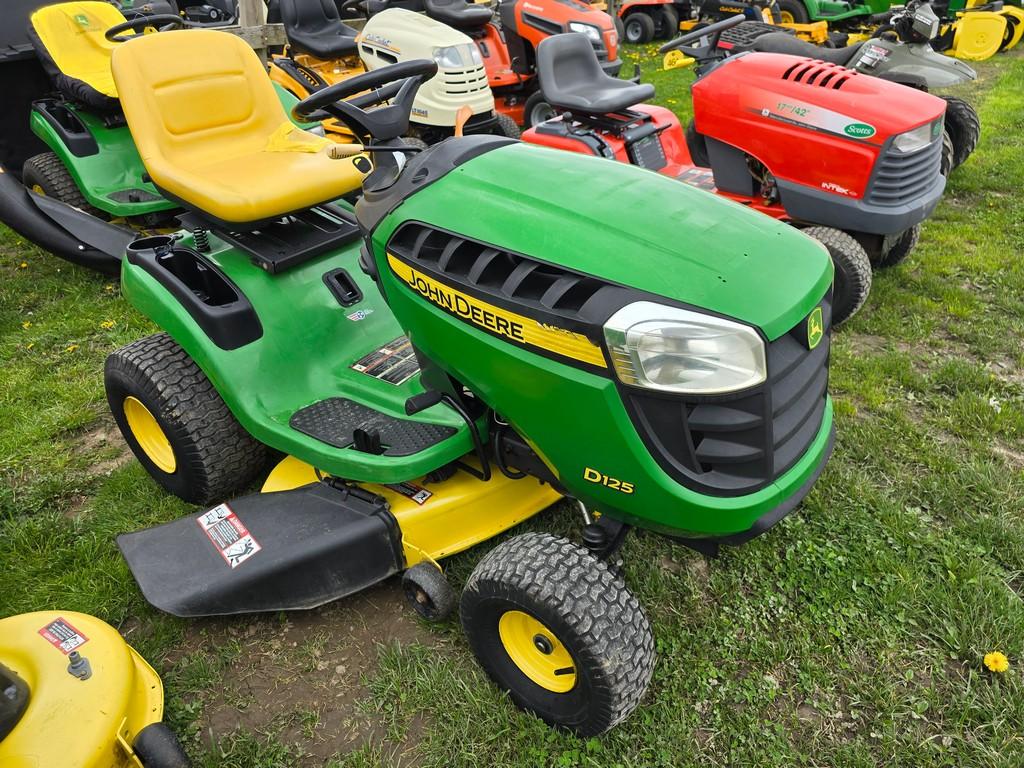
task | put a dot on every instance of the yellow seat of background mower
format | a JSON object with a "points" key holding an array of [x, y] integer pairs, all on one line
{"points": [[207, 120], [69, 40], [70, 722]]}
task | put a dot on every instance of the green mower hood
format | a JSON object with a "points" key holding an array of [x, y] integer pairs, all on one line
{"points": [[632, 227]]}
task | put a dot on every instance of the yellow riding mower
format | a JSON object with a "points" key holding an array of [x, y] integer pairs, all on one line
{"points": [[73, 694]]}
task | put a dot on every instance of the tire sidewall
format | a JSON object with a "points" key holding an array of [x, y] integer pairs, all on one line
{"points": [[119, 385], [578, 709], [535, 103]]}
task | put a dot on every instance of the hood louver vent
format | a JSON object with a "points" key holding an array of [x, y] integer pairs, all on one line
{"points": [[501, 274], [819, 73]]}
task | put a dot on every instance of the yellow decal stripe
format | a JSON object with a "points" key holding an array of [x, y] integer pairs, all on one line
{"points": [[524, 330]]}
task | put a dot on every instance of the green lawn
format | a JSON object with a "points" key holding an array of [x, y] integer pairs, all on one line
{"points": [[850, 635]]}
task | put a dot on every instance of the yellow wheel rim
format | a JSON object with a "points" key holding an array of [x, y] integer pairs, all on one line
{"points": [[787, 17], [38, 189], [149, 435], [537, 652]]}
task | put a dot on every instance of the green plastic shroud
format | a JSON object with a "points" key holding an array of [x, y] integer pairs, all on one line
{"points": [[628, 226]]}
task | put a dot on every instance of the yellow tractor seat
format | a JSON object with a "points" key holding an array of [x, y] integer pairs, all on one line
{"points": [[68, 39], [213, 135]]}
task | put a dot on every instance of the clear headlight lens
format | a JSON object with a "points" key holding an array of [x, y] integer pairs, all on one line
{"points": [[676, 350], [911, 141], [586, 29], [458, 56]]}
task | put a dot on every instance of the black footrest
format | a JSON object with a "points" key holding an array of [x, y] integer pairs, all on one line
{"points": [[334, 421]]}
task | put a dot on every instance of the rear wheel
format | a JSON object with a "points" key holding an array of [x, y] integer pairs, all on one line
{"points": [[537, 110], [964, 129], [556, 628], [793, 12], [853, 271], [620, 28], [667, 22], [507, 126], [176, 423], [156, 746], [946, 165], [47, 175], [639, 28]]}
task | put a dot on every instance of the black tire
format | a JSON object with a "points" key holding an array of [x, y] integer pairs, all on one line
{"points": [[620, 28], [213, 456], [946, 165], [507, 126], [697, 145], [638, 28], [667, 22], [1008, 33], [964, 129], [414, 141], [896, 248], [853, 271], [796, 9], [428, 591], [46, 173], [537, 110], [156, 746], [588, 618]]}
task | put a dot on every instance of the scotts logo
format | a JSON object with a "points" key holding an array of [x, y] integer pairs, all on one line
{"points": [[500, 322], [815, 328], [859, 130]]}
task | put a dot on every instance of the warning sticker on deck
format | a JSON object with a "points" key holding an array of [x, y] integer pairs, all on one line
{"points": [[411, 491], [229, 535], [62, 636], [394, 363]]}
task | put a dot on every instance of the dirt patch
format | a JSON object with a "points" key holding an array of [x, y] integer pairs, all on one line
{"points": [[300, 675], [103, 438], [1012, 457]]}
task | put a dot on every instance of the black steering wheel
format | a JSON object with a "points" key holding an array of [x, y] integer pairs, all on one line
{"points": [[162, 21], [395, 83], [712, 33]]}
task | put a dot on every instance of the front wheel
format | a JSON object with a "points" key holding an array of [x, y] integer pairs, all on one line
{"points": [[537, 110], [556, 628], [853, 271], [896, 248], [964, 129], [507, 126]]}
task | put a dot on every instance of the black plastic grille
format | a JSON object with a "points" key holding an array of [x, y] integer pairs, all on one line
{"points": [[730, 445], [820, 73], [510, 277], [901, 178]]}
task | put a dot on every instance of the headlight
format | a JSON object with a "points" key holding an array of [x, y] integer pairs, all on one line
{"points": [[586, 29], [919, 138], [458, 56], [677, 350]]}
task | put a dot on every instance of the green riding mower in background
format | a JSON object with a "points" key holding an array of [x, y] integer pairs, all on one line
{"points": [[434, 378]]}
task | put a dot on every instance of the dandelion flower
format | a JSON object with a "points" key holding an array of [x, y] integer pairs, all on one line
{"points": [[23, 265], [997, 662], [107, 324], [71, 348], [26, 324]]}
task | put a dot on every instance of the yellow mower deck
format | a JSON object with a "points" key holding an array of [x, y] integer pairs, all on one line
{"points": [[72, 722]]}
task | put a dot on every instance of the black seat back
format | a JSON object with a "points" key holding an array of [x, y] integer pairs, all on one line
{"points": [[571, 78], [314, 27], [460, 14]]}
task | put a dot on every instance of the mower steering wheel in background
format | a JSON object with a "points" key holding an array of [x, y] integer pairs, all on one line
{"points": [[395, 83], [712, 33], [162, 22]]}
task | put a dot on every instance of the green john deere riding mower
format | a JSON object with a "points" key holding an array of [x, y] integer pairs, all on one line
{"points": [[434, 378], [84, 194]]}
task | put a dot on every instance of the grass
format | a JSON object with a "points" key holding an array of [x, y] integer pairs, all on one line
{"points": [[851, 635]]}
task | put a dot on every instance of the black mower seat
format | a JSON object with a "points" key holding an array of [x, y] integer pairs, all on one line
{"points": [[458, 13], [783, 42], [571, 78], [313, 27]]}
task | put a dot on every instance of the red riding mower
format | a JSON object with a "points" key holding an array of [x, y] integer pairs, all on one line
{"points": [[508, 45], [804, 141]]}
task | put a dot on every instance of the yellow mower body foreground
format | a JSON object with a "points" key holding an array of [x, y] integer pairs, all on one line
{"points": [[76, 695]]}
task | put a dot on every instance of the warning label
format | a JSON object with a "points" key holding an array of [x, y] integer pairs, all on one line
{"points": [[394, 363], [229, 535], [411, 491], [61, 635]]}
